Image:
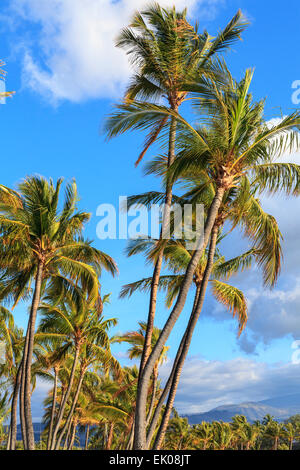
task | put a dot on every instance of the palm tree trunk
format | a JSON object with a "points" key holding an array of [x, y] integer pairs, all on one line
{"points": [[71, 412], [140, 419], [53, 409], [87, 434], [131, 435], [154, 384], [110, 436], [71, 444], [11, 444], [164, 394], [190, 330], [22, 393], [28, 357], [158, 264], [65, 399]]}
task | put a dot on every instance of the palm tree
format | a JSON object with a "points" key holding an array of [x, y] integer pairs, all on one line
{"points": [[223, 435], [177, 256], [41, 244], [290, 432], [204, 434], [235, 151], [274, 431], [76, 321], [169, 54]]}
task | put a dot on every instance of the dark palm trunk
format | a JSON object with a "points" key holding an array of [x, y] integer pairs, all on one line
{"points": [[140, 419], [11, 445], [28, 357], [71, 412], [65, 398], [87, 434], [190, 330], [53, 409], [158, 264]]}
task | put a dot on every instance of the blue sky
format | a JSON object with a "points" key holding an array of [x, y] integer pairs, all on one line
{"points": [[66, 73]]}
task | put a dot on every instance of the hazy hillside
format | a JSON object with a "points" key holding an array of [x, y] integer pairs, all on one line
{"points": [[280, 407]]}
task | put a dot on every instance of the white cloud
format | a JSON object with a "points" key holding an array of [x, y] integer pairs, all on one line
{"points": [[207, 384], [74, 57]]}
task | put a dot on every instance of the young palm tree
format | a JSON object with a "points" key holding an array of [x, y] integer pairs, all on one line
{"points": [[170, 56], [41, 244], [137, 340], [235, 150], [76, 322]]}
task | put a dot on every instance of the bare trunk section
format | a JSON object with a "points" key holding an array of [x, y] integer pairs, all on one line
{"points": [[158, 264], [65, 398], [189, 333], [53, 409], [28, 357], [140, 419]]}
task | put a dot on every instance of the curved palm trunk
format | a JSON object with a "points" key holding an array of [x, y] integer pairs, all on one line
{"points": [[71, 412], [158, 264], [87, 435], [11, 444], [168, 385], [53, 409], [65, 398], [140, 419], [28, 357], [190, 330]]}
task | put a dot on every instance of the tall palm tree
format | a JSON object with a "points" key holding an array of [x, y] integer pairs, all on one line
{"points": [[235, 150], [170, 56], [43, 245]]}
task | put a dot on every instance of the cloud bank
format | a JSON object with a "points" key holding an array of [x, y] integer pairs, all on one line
{"points": [[207, 384]]}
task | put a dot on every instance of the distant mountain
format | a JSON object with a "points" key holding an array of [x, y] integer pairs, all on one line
{"points": [[280, 407]]}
